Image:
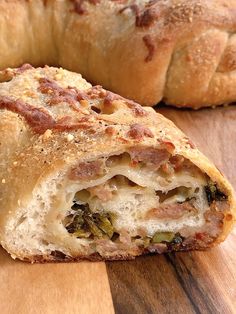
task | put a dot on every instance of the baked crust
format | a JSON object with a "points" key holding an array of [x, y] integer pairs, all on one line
{"points": [[96, 257], [51, 118], [180, 51]]}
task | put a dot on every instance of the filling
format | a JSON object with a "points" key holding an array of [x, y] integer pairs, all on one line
{"points": [[129, 203]]}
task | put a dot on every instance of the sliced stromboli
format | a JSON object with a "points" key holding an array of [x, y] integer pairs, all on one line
{"points": [[85, 173]]}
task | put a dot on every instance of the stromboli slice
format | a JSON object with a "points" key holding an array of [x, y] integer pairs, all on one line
{"points": [[88, 174]]}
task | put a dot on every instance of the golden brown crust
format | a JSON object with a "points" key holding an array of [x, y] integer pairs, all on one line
{"points": [[86, 124], [179, 51], [57, 256]]}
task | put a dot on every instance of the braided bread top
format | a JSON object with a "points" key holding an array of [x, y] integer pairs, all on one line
{"points": [[180, 51]]}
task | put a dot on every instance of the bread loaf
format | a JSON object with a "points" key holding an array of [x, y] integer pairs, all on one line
{"points": [[182, 52]]}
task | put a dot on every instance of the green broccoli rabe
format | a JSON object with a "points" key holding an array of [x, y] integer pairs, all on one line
{"points": [[84, 224], [163, 237], [213, 193]]}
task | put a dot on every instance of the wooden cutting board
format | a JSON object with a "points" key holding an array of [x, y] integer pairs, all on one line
{"points": [[195, 282]]}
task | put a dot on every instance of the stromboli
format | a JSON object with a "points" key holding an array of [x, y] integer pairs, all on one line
{"points": [[179, 51], [85, 173]]}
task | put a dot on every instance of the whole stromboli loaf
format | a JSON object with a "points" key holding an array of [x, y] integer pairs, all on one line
{"points": [[85, 173], [180, 51]]}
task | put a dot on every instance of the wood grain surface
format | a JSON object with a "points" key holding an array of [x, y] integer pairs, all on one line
{"points": [[195, 282], [53, 288]]}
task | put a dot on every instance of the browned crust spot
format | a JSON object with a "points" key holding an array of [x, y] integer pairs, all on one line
{"points": [[146, 17], [150, 44], [59, 94], [138, 132], [169, 146], [137, 109], [38, 118], [79, 5], [110, 130]]}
